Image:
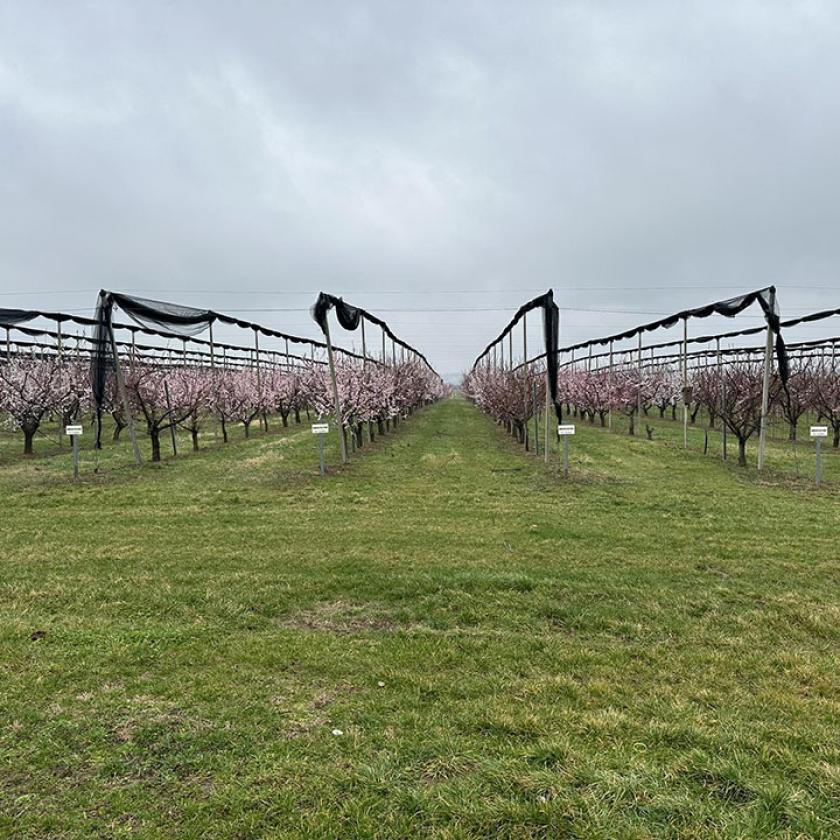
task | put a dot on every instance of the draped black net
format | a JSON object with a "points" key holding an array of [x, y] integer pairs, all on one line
{"points": [[551, 338], [17, 316], [350, 317]]}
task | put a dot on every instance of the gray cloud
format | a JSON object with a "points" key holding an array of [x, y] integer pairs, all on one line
{"points": [[634, 156]]}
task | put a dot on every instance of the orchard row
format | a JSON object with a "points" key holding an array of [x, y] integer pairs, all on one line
{"points": [[162, 397], [730, 394]]}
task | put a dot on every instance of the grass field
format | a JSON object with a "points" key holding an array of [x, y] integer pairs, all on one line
{"points": [[648, 650]]}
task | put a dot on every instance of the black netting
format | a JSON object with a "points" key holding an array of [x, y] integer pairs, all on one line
{"points": [[551, 336], [172, 317], [766, 298], [350, 317], [17, 316]]}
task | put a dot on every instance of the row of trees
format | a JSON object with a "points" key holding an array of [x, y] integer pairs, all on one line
{"points": [[731, 396], [33, 390]]}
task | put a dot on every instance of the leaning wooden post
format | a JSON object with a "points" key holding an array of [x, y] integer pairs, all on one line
{"points": [[342, 442], [609, 389], [132, 431], [722, 390], [524, 337], [639, 386], [548, 419], [685, 382], [257, 358], [765, 385]]}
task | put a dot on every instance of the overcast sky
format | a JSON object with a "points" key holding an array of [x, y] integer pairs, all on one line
{"points": [[638, 157]]}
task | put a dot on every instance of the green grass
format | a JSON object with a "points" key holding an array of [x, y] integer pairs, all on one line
{"points": [[648, 650]]}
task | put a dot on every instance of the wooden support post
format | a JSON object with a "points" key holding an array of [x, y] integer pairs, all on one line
{"points": [[549, 421], [765, 388], [336, 399], [639, 387], [129, 417], [722, 390], [524, 337], [171, 417], [685, 382], [257, 358], [609, 389]]}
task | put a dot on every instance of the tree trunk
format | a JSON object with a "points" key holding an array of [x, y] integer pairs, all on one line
{"points": [[792, 435], [29, 430], [297, 416], [836, 435], [247, 425], [742, 452], [194, 434], [632, 429], [118, 427], [154, 434], [224, 430], [284, 415]]}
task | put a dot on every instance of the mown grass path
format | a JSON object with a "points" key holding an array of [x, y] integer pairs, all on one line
{"points": [[647, 650]]}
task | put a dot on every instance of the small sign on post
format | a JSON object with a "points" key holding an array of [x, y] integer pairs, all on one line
{"points": [[565, 432], [73, 432], [818, 433], [321, 429]]}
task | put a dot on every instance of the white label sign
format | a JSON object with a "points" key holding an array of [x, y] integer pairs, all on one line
{"points": [[72, 430], [320, 428], [819, 431], [565, 430]]}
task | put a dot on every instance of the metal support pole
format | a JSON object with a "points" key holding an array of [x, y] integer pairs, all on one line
{"points": [[212, 349], [342, 442], [565, 456], [74, 442], [510, 349], [819, 461]]}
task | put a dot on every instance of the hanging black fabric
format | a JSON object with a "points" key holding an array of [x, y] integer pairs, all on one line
{"points": [[350, 317], [17, 316], [766, 299], [172, 317], [551, 337]]}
